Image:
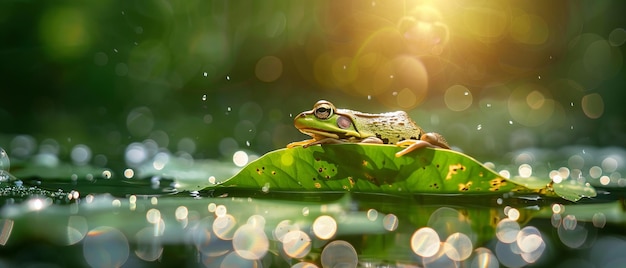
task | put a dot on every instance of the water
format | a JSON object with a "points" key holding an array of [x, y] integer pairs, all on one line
{"points": [[93, 218]]}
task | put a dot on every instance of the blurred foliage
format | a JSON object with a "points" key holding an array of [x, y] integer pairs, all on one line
{"points": [[492, 76]]}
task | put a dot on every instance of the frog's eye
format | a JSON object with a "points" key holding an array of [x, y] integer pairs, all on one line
{"points": [[343, 122], [323, 111]]}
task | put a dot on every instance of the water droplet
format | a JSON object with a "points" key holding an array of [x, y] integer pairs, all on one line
{"points": [[369, 97], [479, 127], [228, 77], [205, 74], [539, 77], [204, 97]]}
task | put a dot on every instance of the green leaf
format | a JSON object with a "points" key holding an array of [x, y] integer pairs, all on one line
{"points": [[374, 168]]}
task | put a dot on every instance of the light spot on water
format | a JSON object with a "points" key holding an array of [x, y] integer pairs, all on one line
{"points": [[513, 214], [569, 222], [304, 265], [257, 221], [525, 170], [105, 246], [211, 207], [284, 227], [76, 229], [372, 214], [38, 203], [507, 230], [305, 211], [250, 242], [605, 180], [181, 213], [390, 222], [609, 164], [129, 173], [220, 211], [6, 227], [339, 253], [460, 247], [555, 220], [224, 227], [153, 215], [324, 227], [425, 242], [558, 208], [81, 154], [595, 172], [599, 220], [296, 244], [484, 258]]}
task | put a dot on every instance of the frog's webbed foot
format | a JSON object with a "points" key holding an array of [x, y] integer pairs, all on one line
{"points": [[300, 143], [433, 140], [311, 142]]}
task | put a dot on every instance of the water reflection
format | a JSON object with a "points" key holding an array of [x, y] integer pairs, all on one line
{"points": [[346, 230]]}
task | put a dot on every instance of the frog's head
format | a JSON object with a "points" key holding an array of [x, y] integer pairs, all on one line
{"points": [[324, 121]]}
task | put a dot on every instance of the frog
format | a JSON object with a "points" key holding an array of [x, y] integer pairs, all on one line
{"points": [[328, 125]]}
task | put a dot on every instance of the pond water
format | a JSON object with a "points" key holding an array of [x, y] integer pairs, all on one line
{"points": [[145, 216], [116, 115]]}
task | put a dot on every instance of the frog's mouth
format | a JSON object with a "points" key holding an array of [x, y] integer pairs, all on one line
{"points": [[320, 134]]}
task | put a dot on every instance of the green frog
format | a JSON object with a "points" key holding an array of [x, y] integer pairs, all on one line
{"points": [[327, 125]]}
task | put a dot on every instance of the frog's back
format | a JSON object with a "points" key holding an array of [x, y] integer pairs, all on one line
{"points": [[390, 127]]}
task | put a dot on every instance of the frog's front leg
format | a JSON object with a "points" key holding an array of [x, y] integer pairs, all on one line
{"points": [[300, 143], [433, 140], [311, 142]]}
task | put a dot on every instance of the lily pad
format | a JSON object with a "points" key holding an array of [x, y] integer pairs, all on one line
{"points": [[373, 168]]}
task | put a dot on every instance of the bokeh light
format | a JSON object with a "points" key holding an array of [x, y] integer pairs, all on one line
{"points": [[425, 242], [324, 227], [250, 242], [296, 244], [105, 246], [339, 253]]}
